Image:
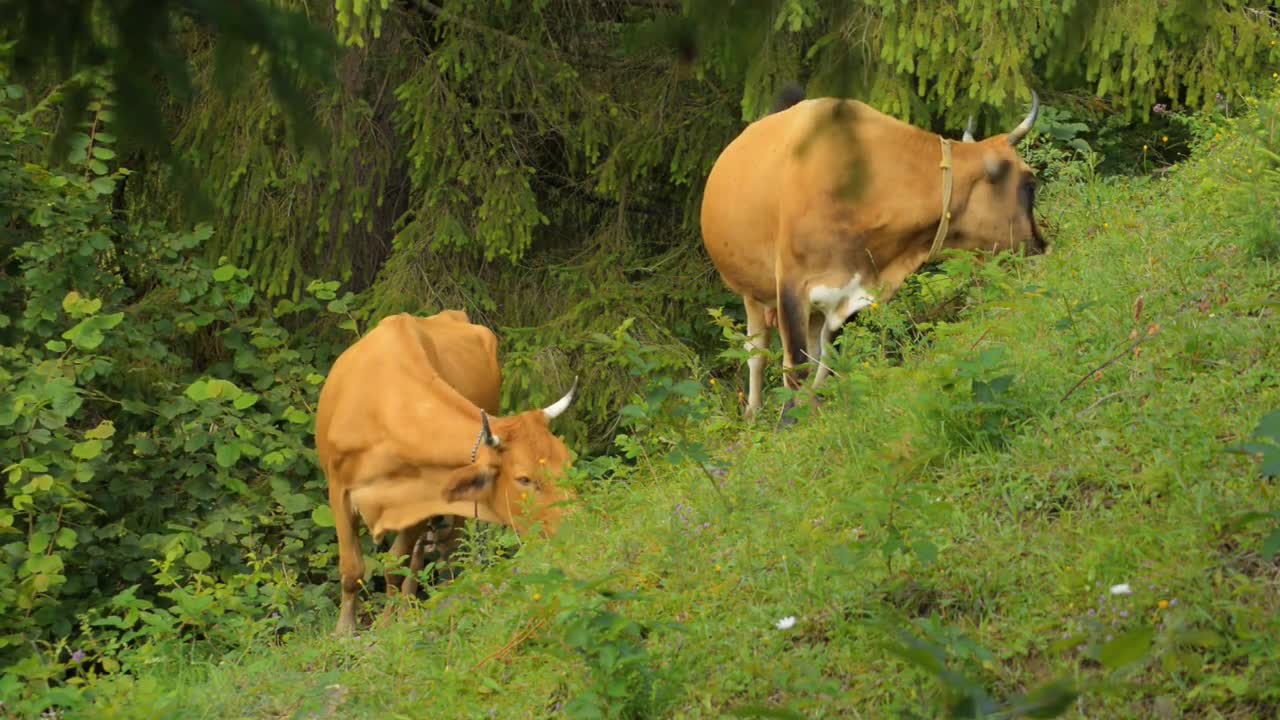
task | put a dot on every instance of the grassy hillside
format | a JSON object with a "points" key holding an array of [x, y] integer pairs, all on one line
{"points": [[967, 500]]}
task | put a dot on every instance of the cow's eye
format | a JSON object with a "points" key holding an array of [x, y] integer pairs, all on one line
{"points": [[525, 481]]}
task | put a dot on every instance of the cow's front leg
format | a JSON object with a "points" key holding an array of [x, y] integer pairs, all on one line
{"points": [[350, 558]]}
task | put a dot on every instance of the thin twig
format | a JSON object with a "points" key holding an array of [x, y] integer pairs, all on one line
{"points": [[516, 640], [821, 364], [980, 339], [1099, 401], [715, 486], [1110, 361]]}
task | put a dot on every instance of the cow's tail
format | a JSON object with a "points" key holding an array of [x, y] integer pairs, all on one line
{"points": [[789, 95]]}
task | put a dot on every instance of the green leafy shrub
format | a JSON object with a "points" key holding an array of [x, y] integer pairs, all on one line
{"points": [[155, 419]]}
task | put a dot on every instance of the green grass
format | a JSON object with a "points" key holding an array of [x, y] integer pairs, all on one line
{"points": [[985, 516]]}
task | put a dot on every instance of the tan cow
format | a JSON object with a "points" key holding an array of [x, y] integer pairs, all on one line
{"points": [[401, 439], [823, 207]]}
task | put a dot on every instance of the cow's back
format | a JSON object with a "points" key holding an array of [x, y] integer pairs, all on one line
{"points": [[465, 355], [383, 361], [798, 168]]}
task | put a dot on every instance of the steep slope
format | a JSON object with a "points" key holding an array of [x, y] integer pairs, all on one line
{"points": [[983, 492]]}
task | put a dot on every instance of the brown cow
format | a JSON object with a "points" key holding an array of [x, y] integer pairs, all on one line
{"points": [[822, 208], [401, 441]]}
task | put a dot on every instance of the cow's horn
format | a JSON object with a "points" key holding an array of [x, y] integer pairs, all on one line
{"points": [[486, 434], [1021, 131], [968, 130], [556, 408]]}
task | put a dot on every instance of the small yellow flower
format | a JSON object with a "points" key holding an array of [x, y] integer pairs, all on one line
{"points": [[1164, 604], [875, 305], [1164, 138], [1106, 225], [717, 568], [712, 381], [1275, 75], [1249, 171], [537, 597], [1144, 148]]}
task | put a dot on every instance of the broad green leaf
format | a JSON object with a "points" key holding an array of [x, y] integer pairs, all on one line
{"points": [[1049, 701], [103, 153], [220, 388], [296, 503], [87, 334], [87, 450], [66, 538], [224, 273], [76, 305], [6, 519], [322, 516], [1271, 546], [103, 185], [245, 401], [1269, 426], [104, 430], [38, 542], [296, 416], [1126, 649], [98, 167], [198, 560], [56, 346], [926, 551], [198, 391], [227, 453]]}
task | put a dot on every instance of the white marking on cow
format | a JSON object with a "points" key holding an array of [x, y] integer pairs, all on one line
{"points": [[837, 304]]}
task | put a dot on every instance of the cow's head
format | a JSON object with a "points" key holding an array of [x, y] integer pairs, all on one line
{"points": [[999, 211], [530, 460]]}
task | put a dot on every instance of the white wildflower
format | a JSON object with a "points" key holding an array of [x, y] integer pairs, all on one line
{"points": [[1121, 589], [785, 623]]}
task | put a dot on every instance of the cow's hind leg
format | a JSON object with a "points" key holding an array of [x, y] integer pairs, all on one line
{"points": [[793, 325], [406, 541], [757, 345], [350, 558]]}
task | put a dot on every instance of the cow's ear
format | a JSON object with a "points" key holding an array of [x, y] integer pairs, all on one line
{"points": [[471, 484], [997, 169]]}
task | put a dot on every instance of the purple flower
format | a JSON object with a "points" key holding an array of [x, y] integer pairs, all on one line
{"points": [[1173, 602], [77, 656], [1160, 109], [1124, 613]]}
